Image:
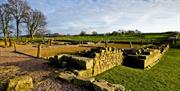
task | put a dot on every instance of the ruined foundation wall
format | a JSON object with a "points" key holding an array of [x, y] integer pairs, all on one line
{"points": [[146, 58], [154, 56], [103, 61], [106, 60]]}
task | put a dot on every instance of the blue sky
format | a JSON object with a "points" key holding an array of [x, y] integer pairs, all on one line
{"points": [[73, 16]]}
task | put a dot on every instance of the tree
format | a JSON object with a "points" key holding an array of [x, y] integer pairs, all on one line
{"points": [[5, 19], [137, 31], [115, 33], [41, 33], [94, 33], [82, 33], [35, 22], [130, 32], [18, 8], [121, 31]]}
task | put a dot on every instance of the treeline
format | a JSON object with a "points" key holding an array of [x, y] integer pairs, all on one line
{"points": [[94, 33], [17, 13], [114, 33], [119, 32]]}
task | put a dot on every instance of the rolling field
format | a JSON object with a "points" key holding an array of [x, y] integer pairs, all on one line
{"points": [[118, 38], [164, 76], [115, 38]]}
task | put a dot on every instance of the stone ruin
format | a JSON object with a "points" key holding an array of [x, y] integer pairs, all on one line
{"points": [[86, 64], [90, 63], [144, 57]]}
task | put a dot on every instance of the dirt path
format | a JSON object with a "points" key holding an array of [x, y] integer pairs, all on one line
{"points": [[36, 68]]}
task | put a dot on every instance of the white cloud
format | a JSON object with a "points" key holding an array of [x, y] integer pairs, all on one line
{"points": [[110, 15]]}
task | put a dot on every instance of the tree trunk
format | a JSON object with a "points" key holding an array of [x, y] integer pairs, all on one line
{"points": [[32, 37], [5, 39], [10, 42], [17, 29]]}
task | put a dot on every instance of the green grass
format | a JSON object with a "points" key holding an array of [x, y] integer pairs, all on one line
{"points": [[119, 38], [164, 76]]}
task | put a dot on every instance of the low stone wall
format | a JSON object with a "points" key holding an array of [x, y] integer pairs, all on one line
{"points": [[103, 60], [145, 58], [154, 57], [76, 62]]}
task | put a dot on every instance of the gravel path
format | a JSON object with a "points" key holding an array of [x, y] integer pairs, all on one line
{"points": [[36, 68]]}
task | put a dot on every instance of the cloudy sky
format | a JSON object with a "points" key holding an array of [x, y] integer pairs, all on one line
{"points": [[73, 16]]}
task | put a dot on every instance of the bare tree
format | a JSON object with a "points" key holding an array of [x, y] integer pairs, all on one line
{"points": [[5, 18], [82, 33], [18, 9], [41, 32], [94, 33], [35, 22]]}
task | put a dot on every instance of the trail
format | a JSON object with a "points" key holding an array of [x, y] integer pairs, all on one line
{"points": [[36, 68]]}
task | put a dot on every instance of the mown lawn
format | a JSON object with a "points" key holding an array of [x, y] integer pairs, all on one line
{"points": [[164, 76]]}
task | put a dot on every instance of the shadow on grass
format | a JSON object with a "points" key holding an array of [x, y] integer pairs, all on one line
{"points": [[177, 45], [24, 54], [132, 64]]}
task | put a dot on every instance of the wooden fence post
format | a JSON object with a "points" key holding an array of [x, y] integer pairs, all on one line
{"points": [[50, 42], [15, 46], [106, 43], [151, 41], [131, 45], [141, 43], [39, 51], [10, 42]]}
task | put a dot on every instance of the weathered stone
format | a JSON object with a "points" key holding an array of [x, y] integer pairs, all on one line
{"points": [[83, 81], [81, 62], [119, 87], [103, 86], [148, 57], [102, 61], [67, 76], [85, 73], [21, 83], [108, 60]]}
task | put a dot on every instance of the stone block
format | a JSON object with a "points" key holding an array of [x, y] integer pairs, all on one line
{"points": [[83, 62], [83, 81], [118, 87], [66, 76], [85, 73], [21, 83], [76, 62], [103, 86]]}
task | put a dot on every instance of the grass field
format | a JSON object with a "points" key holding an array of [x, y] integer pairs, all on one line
{"points": [[119, 38], [164, 76], [116, 38]]}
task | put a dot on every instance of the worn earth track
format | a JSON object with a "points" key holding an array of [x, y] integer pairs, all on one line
{"points": [[42, 74]]}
